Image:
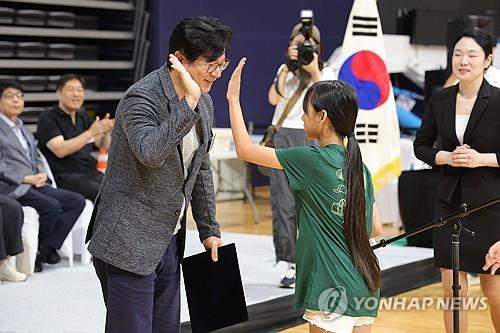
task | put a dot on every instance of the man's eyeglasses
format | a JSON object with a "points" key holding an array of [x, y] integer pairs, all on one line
{"points": [[210, 68], [19, 95]]}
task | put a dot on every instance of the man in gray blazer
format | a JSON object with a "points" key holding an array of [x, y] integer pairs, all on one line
{"points": [[58, 209], [159, 165]]}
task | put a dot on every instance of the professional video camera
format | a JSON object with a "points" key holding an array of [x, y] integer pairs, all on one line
{"points": [[306, 49]]}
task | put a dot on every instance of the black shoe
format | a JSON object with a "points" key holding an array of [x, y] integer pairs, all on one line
{"points": [[38, 264], [52, 257]]}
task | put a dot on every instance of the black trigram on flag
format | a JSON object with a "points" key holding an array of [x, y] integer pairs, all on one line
{"points": [[364, 26], [367, 133]]}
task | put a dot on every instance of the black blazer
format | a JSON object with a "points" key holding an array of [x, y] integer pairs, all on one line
{"points": [[482, 134]]}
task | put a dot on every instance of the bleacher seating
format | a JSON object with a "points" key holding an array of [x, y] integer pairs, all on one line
{"points": [[41, 40]]}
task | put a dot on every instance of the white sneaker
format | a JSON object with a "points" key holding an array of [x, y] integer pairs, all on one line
{"points": [[8, 273], [288, 281]]}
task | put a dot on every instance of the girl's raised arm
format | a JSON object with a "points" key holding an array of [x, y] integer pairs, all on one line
{"points": [[245, 148]]}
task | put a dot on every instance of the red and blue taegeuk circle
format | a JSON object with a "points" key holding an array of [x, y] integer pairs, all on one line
{"points": [[366, 72]]}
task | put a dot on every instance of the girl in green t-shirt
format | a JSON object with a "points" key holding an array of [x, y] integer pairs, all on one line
{"points": [[338, 275]]}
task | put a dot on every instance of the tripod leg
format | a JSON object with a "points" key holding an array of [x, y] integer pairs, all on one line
{"points": [[447, 280], [456, 280]]}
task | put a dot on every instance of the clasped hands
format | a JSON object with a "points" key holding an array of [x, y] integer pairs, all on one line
{"points": [[464, 157], [37, 180]]}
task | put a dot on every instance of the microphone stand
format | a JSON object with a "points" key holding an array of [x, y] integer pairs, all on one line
{"points": [[455, 242]]}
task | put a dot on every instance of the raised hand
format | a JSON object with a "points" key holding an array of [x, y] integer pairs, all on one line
{"points": [[192, 90], [234, 85]]}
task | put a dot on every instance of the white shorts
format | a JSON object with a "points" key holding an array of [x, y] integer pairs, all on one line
{"points": [[332, 322]]}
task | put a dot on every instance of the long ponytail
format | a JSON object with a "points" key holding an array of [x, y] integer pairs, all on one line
{"points": [[355, 218], [339, 100]]}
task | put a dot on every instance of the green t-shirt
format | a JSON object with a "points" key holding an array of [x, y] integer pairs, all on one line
{"points": [[326, 273]]}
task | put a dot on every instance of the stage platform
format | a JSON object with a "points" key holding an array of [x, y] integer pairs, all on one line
{"points": [[271, 308], [64, 299]]}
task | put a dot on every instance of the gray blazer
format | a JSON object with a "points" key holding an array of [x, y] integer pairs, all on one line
{"points": [[15, 163], [141, 195]]}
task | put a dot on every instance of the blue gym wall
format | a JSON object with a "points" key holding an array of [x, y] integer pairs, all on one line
{"points": [[261, 31]]}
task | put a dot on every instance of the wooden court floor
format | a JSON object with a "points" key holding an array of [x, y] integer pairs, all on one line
{"points": [[236, 216]]}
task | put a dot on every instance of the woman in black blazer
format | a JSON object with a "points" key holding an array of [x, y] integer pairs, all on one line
{"points": [[465, 121]]}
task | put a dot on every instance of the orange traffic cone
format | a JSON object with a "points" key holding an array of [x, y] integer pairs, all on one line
{"points": [[102, 160]]}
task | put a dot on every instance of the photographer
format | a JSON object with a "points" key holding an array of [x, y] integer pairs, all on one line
{"points": [[301, 69]]}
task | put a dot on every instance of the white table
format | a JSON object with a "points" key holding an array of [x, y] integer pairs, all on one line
{"points": [[229, 170]]}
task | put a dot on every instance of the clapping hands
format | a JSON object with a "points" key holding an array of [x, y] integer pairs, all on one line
{"points": [[102, 126]]}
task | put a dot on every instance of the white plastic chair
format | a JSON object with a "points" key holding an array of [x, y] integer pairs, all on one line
{"points": [[75, 241], [25, 261]]}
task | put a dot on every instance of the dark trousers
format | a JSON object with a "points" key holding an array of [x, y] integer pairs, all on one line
{"points": [[142, 304], [11, 222], [283, 199], [85, 184], [58, 210]]}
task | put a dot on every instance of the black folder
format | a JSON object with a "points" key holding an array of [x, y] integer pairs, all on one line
{"points": [[214, 290]]}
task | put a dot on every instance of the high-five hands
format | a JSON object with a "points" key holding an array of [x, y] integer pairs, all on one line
{"points": [[192, 90], [234, 85]]}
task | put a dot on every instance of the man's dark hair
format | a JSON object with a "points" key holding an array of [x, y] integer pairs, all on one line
{"points": [[200, 36], [68, 77], [6, 84]]}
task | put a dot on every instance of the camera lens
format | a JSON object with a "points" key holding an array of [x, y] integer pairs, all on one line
{"points": [[306, 53], [306, 56]]}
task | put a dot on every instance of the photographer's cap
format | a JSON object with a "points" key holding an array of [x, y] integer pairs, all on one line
{"points": [[315, 32]]}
